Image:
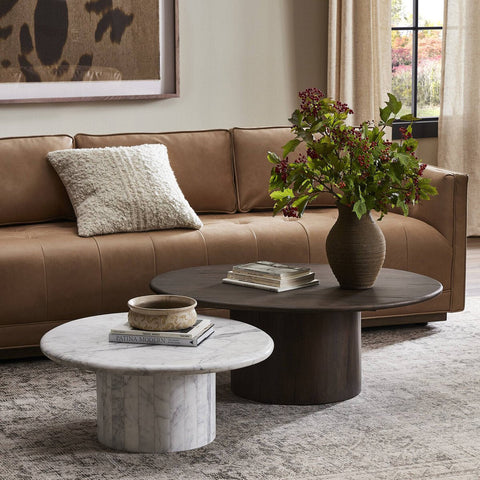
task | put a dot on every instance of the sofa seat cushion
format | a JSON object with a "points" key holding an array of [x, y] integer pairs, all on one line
{"points": [[202, 162], [411, 244], [52, 275]]}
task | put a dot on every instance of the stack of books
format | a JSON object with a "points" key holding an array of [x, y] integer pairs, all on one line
{"points": [[188, 337], [275, 277]]}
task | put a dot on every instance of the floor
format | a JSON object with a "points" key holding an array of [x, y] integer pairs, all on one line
{"points": [[473, 267]]}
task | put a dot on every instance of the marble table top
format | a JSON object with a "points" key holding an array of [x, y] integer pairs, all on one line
{"points": [[84, 344]]}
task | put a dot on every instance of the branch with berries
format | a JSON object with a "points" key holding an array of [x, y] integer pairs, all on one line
{"points": [[357, 165]]}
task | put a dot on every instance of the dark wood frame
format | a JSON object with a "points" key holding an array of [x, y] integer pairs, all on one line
{"points": [[175, 64]]}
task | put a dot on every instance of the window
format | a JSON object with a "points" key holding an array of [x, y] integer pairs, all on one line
{"points": [[417, 61]]}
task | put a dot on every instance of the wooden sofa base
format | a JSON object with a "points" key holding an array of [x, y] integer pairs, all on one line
{"points": [[20, 353], [421, 319]]}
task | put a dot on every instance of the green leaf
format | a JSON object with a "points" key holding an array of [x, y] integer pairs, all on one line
{"points": [[278, 207], [408, 118], [276, 182], [360, 207], [290, 146], [385, 113], [273, 157], [393, 103], [427, 189], [282, 194], [404, 208], [317, 126], [306, 136], [406, 160], [301, 204], [296, 118]]}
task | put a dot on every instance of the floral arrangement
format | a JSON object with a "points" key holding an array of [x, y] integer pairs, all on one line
{"points": [[357, 165]]}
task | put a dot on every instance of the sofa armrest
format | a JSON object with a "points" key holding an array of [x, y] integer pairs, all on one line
{"points": [[447, 213]]}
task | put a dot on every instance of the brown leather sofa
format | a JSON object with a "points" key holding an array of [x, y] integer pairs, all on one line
{"points": [[49, 275]]}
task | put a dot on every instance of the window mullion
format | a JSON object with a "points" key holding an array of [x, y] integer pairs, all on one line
{"points": [[415, 58]]}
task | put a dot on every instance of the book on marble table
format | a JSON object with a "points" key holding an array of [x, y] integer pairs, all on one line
{"points": [[188, 337]]}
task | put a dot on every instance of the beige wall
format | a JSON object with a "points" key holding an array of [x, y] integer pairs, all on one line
{"points": [[242, 63]]}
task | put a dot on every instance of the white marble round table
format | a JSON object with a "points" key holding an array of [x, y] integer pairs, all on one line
{"points": [[155, 398]]}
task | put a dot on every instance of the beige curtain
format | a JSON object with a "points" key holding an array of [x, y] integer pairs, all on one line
{"points": [[459, 123], [359, 55]]}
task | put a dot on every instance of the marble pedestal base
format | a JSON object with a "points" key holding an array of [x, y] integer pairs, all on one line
{"points": [[155, 413]]}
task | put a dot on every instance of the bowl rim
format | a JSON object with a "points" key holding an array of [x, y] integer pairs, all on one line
{"points": [[132, 304]]}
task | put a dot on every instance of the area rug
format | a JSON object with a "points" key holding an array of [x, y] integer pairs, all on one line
{"points": [[418, 416]]}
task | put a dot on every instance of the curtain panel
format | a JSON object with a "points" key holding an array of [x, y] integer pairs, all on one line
{"points": [[459, 122], [359, 55]]}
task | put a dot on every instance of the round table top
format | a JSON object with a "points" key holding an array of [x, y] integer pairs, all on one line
{"points": [[393, 288], [84, 344]]}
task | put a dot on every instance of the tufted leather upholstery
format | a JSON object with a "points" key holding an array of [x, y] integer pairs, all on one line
{"points": [[49, 275]]}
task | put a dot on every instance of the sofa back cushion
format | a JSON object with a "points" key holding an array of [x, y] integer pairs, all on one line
{"points": [[253, 169], [201, 160], [31, 190]]}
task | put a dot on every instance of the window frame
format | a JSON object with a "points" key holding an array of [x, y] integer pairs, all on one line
{"points": [[427, 126]]}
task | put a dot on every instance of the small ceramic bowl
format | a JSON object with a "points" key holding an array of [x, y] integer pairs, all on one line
{"points": [[162, 312]]}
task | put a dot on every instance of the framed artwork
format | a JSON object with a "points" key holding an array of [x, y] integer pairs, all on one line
{"points": [[63, 50]]}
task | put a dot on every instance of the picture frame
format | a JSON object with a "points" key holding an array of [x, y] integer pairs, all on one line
{"points": [[112, 50]]}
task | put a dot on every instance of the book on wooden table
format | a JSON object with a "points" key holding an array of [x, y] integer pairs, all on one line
{"points": [[273, 282], [191, 336], [272, 270], [270, 288], [271, 276]]}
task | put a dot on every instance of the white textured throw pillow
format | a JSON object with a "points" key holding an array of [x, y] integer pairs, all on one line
{"points": [[123, 189]]}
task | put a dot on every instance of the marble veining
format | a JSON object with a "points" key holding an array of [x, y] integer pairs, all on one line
{"points": [[84, 344], [158, 413]]}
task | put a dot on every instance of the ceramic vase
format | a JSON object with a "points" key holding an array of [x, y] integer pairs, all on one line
{"points": [[355, 249]]}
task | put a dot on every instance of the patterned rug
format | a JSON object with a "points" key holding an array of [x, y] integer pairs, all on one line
{"points": [[418, 416]]}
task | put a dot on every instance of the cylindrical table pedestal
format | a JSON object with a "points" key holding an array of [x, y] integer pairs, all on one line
{"points": [[155, 413], [316, 358]]}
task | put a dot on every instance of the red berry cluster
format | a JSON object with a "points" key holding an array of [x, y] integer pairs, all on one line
{"points": [[423, 166], [342, 108], [310, 98], [301, 159], [289, 211], [362, 161], [282, 169], [312, 153], [417, 193], [405, 133]]}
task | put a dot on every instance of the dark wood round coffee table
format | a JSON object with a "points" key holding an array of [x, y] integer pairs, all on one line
{"points": [[316, 330]]}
